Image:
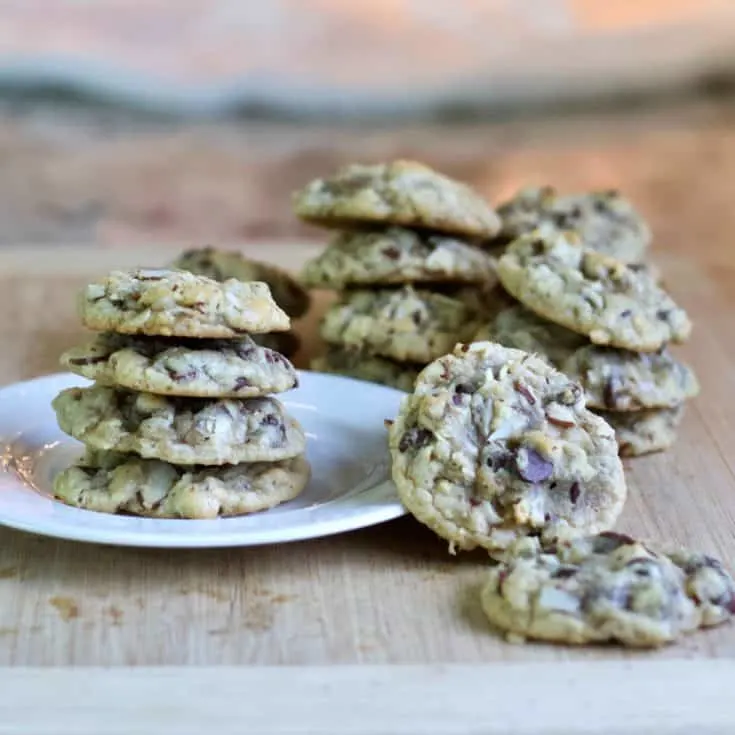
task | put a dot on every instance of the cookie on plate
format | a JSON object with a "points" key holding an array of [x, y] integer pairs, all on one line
{"points": [[607, 588], [495, 444], [221, 265], [356, 364], [619, 380], [644, 432], [179, 304], [109, 482], [233, 368], [179, 430], [605, 220], [590, 293], [397, 256], [399, 193], [405, 324]]}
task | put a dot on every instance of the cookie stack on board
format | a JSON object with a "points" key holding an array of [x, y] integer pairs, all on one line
{"points": [[221, 265], [604, 322], [179, 422], [412, 280]]}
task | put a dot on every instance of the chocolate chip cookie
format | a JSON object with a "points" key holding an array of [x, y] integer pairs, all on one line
{"points": [[221, 265], [179, 304], [109, 482], [397, 256], [495, 444], [605, 220], [590, 293], [607, 588], [644, 432], [402, 324], [236, 368], [179, 430], [399, 193], [356, 364]]}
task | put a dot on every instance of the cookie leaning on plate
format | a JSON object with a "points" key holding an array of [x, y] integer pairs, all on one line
{"points": [[604, 220], [222, 265], [607, 588], [396, 256], [179, 304], [398, 193], [495, 444], [200, 368], [117, 483], [589, 293], [179, 430]]}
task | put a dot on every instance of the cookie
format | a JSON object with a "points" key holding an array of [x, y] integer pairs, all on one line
{"points": [[607, 588], [355, 364], [398, 193], [403, 324], [644, 432], [221, 265], [397, 256], [236, 368], [589, 293], [618, 380], [605, 220], [108, 482], [518, 327], [179, 430], [179, 304], [495, 444]]}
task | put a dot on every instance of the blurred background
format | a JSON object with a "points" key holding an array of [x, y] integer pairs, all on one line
{"points": [[192, 121]]}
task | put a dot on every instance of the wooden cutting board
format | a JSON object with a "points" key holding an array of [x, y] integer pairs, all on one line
{"points": [[379, 597]]}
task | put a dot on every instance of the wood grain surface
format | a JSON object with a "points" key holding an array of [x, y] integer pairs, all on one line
{"points": [[385, 595]]}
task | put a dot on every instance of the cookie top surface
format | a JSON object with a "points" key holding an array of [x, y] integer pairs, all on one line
{"points": [[108, 482], [179, 304], [221, 265], [495, 444], [590, 293], [607, 588], [179, 430], [356, 364], [396, 256], [644, 432], [404, 324], [613, 379], [605, 220], [232, 368], [619, 380], [398, 193]]}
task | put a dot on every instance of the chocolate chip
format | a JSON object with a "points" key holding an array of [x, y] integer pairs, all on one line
{"points": [[640, 567], [241, 383], [532, 466], [392, 252], [271, 420], [663, 314], [574, 492], [625, 313], [87, 360], [474, 502], [538, 247], [525, 392], [610, 391], [465, 388], [457, 399], [416, 318], [183, 377], [414, 439], [564, 573], [609, 541]]}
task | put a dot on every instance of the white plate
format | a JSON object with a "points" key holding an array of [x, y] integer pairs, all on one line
{"points": [[346, 446]]}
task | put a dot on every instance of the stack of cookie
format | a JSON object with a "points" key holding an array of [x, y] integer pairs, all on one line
{"points": [[412, 280], [220, 265], [603, 323], [179, 421]]}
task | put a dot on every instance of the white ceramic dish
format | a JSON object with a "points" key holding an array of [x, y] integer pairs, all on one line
{"points": [[349, 489]]}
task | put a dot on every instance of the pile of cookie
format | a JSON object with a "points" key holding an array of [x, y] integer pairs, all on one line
{"points": [[495, 448], [221, 265], [179, 422], [407, 261], [588, 302]]}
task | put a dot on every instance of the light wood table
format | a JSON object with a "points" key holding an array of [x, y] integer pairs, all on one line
{"points": [[332, 619]]}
